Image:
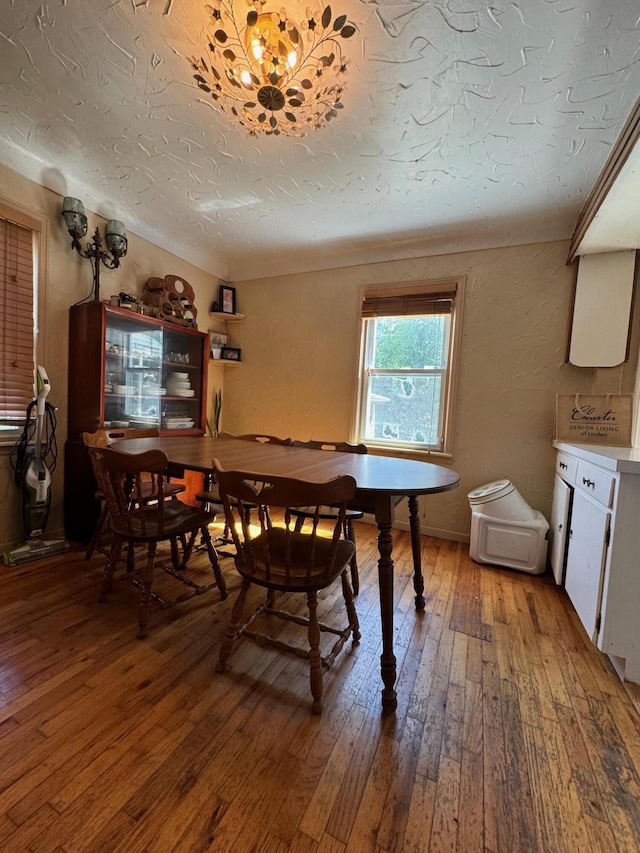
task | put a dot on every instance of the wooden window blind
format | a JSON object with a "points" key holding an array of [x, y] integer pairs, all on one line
{"points": [[17, 319], [410, 301]]}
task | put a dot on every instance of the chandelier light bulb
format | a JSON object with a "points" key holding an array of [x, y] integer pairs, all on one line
{"points": [[271, 74]]}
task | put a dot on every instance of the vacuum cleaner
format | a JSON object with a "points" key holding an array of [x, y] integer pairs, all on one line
{"points": [[33, 459]]}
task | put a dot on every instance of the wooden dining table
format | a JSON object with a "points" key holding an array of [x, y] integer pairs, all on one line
{"points": [[382, 481]]}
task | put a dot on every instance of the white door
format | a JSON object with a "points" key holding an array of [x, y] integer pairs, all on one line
{"points": [[585, 559], [558, 532]]}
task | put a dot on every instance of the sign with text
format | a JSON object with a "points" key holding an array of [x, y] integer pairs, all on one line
{"points": [[594, 419]]}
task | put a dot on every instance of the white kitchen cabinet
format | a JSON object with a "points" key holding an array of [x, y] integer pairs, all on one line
{"points": [[602, 557], [602, 309], [558, 528], [586, 555]]}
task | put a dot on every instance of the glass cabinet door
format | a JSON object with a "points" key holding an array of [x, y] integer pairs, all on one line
{"points": [[132, 370], [182, 379], [153, 376], [133, 374]]}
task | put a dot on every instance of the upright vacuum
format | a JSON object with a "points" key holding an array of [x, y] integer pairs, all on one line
{"points": [[33, 459]]}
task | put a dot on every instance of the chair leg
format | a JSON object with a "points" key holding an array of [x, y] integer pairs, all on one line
{"points": [[175, 559], [112, 561], [351, 536], [351, 608], [97, 533], [299, 524], [315, 659], [145, 598], [188, 549], [215, 565], [131, 557], [232, 627]]}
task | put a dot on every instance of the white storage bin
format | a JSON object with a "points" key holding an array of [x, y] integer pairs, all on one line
{"points": [[505, 530], [515, 544], [501, 499]]}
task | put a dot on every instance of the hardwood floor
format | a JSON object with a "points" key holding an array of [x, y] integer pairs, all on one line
{"points": [[512, 733]]}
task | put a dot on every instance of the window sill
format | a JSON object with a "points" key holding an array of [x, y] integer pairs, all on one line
{"points": [[7, 444], [404, 453]]}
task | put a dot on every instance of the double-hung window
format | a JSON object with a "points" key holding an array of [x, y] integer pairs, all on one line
{"points": [[409, 346], [20, 237]]}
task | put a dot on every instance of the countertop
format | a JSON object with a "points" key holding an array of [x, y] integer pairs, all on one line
{"points": [[623, 459]]}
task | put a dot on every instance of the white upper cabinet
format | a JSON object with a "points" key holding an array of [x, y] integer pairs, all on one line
{"points": [[602, 309], [605, 239]]}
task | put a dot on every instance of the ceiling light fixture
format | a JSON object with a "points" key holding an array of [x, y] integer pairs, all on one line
{"points": [[274, 75]]}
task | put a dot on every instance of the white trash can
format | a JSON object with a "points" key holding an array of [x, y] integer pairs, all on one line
{"points": [[505, 530]]}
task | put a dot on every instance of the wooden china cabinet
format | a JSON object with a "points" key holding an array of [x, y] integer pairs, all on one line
{"points": [[126, 370]]}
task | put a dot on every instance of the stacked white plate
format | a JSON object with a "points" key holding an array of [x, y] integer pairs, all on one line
{"points": [[178, 423], [179, 385], [152, 390]]}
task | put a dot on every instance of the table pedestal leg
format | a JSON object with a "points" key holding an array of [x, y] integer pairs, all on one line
{"points": [[416, 548], [385, 580]]}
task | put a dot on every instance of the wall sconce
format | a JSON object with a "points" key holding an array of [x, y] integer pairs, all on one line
{"points": [[115, 236]]}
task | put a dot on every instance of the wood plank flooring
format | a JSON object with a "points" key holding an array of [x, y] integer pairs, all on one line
{"points": [[513, 732]]}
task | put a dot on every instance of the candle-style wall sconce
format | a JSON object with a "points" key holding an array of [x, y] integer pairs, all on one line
{"points": [[115, 236]]}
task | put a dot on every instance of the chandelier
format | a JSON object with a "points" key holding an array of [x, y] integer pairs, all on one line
{"points": [[270, 73]]}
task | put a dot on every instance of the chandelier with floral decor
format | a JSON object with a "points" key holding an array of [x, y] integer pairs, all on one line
{"points": [[270, 73]]}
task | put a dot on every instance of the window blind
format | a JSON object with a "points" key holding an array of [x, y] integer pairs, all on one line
{"points": [[415, 300], [16, 319]]}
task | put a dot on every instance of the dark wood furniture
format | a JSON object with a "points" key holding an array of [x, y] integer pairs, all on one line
{"points": [[329, 512], [210, 496], [273, 555], [380, 480], [123, 373], [122, 479], [105, 438]]}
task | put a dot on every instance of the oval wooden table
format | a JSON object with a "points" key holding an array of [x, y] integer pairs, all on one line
{"points": [[381, 480]]}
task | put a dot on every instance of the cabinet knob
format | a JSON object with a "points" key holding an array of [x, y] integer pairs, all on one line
{"points": [[588, 483], [563, 465], [559, 528]]}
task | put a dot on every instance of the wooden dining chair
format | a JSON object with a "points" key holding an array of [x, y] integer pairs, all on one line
{"points": [[273, 555], [210, 496], [329, 512], [133, 520], [105, 438]]}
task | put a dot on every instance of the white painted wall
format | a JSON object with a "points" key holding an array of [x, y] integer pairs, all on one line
{"points": [[300, 344]]}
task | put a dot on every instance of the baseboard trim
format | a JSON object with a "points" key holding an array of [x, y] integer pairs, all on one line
{"points": [[425, 530]]}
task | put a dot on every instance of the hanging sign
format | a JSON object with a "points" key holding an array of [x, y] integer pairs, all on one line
{"points": [[594, 419]]}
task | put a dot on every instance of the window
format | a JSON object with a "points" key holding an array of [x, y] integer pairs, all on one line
{"points": [[19, 247], [410, 336]]}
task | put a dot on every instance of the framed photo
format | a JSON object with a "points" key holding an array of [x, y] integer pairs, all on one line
{"points": [[217, 340], [231, 353], [227, 299]]}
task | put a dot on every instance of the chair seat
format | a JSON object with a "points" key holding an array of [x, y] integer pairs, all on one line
{"points": [[292, 551], [150, 523], [326, 512]]}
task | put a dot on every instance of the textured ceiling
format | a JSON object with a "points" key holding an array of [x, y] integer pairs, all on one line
{"points": [[467, 124]]}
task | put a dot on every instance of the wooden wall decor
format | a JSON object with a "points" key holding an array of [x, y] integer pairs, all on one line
{"points": [[172, 299]]}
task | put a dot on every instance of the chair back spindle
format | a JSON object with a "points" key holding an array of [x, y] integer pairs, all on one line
{"points": [[134, 520], [275, 555], [273, 548]]}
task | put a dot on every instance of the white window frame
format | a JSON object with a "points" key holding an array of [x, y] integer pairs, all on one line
{"points": [[449, 371]]}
